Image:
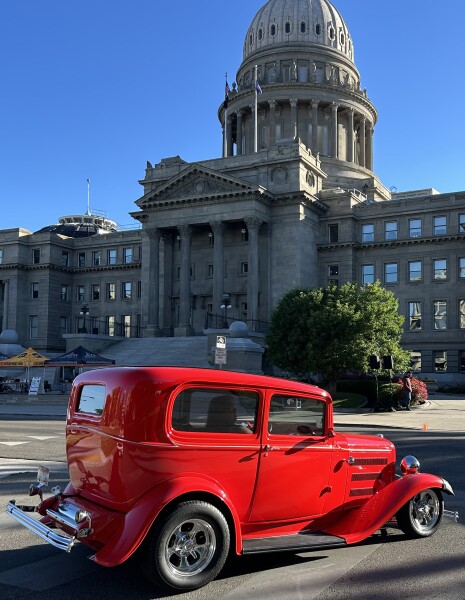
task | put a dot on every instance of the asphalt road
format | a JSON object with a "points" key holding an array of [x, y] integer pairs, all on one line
{"points": [[386, 566]]}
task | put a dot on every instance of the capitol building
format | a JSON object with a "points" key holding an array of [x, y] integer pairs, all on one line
{"points": [[293, 201]]}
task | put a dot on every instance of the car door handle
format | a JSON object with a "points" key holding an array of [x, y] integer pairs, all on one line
{"points": [[269, 448]]}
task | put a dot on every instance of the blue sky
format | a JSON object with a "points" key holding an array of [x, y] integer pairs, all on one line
{"points": [[95, 88]]}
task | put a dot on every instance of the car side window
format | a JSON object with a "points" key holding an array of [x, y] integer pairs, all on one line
{"points": [[91, 399], [215, 411], [296, 415]]}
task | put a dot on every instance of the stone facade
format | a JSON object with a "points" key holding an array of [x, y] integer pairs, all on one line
{"points": [[293, 201]]}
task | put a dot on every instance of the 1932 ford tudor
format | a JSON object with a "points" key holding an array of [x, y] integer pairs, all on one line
{"points": [[185, 465]]}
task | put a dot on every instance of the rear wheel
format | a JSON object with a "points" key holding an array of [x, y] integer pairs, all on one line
{"points": [[188, 549], [421, 516]]}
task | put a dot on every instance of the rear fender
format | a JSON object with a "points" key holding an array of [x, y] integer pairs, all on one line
{"points": [[358, 524], [140, 518]]}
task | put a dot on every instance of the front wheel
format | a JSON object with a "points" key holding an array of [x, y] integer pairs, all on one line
{"points": [[421, 516], [188, 549]]}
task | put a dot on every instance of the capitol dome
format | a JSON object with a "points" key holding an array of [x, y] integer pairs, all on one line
{"points": [[300, 22]]}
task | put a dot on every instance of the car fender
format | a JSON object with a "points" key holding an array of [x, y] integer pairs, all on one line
{"points": [[359, 523], [142, 515]]}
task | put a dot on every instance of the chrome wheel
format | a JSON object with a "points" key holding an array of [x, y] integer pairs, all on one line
{"points": [[421, 516], [425, 510], [190, 547]]}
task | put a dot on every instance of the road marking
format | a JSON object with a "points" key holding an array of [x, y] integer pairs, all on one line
{"points": [[41, 438], [14, 443]]}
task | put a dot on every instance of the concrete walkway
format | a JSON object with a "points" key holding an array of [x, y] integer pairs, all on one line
{"points": [[440, 413]]}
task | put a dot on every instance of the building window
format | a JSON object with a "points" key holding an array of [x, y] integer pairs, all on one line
{"points": [[440, 269], [333, 270], [415, 271], [390, 230], [111, 256], [244, 268], [390, 273], [126, 322], [65, 259], [368, 232], [244, 235], [260, 34], [81, 293], [439, 226], [368, 274], [287, 28], [127, 256], [63, 326], [210, 271], [440, 361], [414, 309], [462, 223], [34, 290], [318, 29], [332, 33], [462, 268], [36, 256], [462, 314], [33, 326], [333, 233], [110, 322], [97, 258], [64, 293], [440, 314], [303, 27], [111, 291], [415, 361], [414, 228], [1, 256], [82, 259], [95, 291], [126, 290], [273, 30]]}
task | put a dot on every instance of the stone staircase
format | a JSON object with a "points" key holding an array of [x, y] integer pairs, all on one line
{"points": [[165, 351]]}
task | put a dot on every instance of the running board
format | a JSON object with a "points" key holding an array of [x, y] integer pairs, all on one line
{"points": [[311, 540]]}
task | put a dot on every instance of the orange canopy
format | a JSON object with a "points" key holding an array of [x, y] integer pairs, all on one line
{"points": [[28, 358]]}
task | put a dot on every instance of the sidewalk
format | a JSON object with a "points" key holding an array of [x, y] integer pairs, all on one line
{"points": [[440, 413]]}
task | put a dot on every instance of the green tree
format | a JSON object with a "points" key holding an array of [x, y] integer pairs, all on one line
{"points": [[335, 329]]}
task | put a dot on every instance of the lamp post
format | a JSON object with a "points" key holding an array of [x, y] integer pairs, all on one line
{"points": [[225, 306], [84, 312]]}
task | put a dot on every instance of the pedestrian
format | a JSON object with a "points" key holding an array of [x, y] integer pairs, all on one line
{"points": [[407, 390]]}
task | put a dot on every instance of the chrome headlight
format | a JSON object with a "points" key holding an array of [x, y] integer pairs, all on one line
{"points": [[409, 465]]}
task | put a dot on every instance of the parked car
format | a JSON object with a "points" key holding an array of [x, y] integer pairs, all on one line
{"points": [[183, 466]]}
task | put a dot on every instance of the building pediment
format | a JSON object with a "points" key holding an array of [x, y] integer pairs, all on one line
{"points": [[197, 184]]}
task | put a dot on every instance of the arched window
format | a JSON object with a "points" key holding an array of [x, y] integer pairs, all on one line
{"points": [[260, 34], [287, 27], [318, 29], [273, 30], [331, 33], [303, 27]]}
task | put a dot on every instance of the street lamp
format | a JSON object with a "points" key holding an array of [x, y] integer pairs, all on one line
{"points": [[226, 304], [84, 312]]}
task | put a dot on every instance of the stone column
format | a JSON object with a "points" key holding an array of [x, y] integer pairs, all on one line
{"points": [[239, 132], [218, 264], [334, 132], [369, 151], [293, 102], [251, 132], [229, 142], [151, 282], [350, 142], [362, 142], [272, 104], [315, 127], [253, 226], [185, 297], [6, 299]]}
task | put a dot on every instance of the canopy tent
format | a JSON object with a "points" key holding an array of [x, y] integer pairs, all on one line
{"points": [[3, 356], [26, 359], [79, 357]]}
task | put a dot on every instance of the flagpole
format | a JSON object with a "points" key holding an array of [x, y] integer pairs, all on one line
{"points": [[88, 197], [225, 127], [255, 141]]}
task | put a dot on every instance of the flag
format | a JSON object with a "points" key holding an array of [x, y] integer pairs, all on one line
{"points": [[258, 89]]}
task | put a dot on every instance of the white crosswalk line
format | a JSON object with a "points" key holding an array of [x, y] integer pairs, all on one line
{"points": [[14, 443], [41, 438]]}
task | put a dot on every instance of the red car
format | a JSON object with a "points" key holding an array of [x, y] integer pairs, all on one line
{"points": [[185, 465]]}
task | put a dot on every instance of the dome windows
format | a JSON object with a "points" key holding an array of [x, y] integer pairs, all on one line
{"points": [[342, 38], [287, 27], [273, 30], [331, 32], [250, 39], [303, 27], [318, 29], [260, 34]]}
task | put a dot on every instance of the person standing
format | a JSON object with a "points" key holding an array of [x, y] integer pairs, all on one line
{"points": [[407, 390]]}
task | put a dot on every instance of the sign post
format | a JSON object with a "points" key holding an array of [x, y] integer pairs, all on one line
{"points": [[220, 350]]}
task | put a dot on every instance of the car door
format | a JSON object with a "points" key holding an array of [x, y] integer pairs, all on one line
{"points": [[295, 464]]}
